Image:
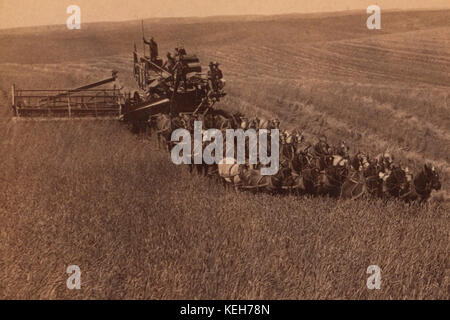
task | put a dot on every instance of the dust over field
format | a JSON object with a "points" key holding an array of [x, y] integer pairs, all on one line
{"points": [[92, 194]]}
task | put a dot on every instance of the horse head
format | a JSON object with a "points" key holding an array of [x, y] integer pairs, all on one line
{"points": [[275, 123], [244, 123], [254, 123], [208, 121], [326, 162], [339, 161], [264, 124], [430, 177], [397, 182]]}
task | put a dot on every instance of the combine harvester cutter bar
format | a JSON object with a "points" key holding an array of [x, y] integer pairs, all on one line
{"points": [[80, 103]]}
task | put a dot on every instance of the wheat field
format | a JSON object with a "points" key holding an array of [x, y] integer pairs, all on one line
{"points": [[92, 194]]}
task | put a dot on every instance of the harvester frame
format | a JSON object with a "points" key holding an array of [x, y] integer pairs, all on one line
{"points": [[81, 102]]}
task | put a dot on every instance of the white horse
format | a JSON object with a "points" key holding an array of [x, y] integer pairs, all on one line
{"points": [[230, 170]]}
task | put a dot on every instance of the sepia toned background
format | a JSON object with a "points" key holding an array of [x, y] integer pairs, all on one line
{"points": [[43, 12]]}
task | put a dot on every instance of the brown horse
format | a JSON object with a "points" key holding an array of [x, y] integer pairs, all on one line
{"points": [[331, 180], [151, 125], [311, 181], [221, 122], [333, 172], [189, 121], [287, 154], [354, 186], [396, 184], [359, 161], [357, 185], [254, 123], [422, 186], [252, 179], [294, 183], [163, 126], [301, 160], [231, 172], [374, 183], [208, 121]]}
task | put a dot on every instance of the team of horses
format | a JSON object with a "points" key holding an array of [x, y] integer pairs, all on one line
{"points": [[319, 168]]}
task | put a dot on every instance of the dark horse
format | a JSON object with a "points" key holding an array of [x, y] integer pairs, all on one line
{"points": [[331, 180], [397, 184], [363, 179], [253, 180], [421, 187], [165, 125]]}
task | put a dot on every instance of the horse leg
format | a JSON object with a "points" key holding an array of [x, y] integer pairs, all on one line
{"points": [[149, 131], [158, 135], [168, 143], [205, 170]]}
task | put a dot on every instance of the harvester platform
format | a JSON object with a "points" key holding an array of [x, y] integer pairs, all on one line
{"points": [[87, 101]]}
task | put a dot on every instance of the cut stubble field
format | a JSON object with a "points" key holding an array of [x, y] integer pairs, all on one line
{"points": [[92, 194]]}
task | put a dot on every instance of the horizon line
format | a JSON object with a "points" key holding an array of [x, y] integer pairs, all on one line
{"points": [[227, 16]]}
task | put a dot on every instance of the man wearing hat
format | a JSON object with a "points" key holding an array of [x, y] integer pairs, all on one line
{"points": [[153, 46], [170, 63], [211, 77], [214, 75], [219, 74]]}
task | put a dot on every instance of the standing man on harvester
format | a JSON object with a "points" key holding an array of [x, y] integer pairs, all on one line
{"points": [[153, 46], [179, 73], [214, 76], [180, 69]]}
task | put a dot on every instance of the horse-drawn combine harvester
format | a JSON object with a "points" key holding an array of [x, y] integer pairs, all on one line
{"points": [[175, 86], [179, 89]]}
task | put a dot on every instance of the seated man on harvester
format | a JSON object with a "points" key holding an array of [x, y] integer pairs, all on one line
{"points": [[180, 52], [170, 63], [180, 74], [175, 63]]}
